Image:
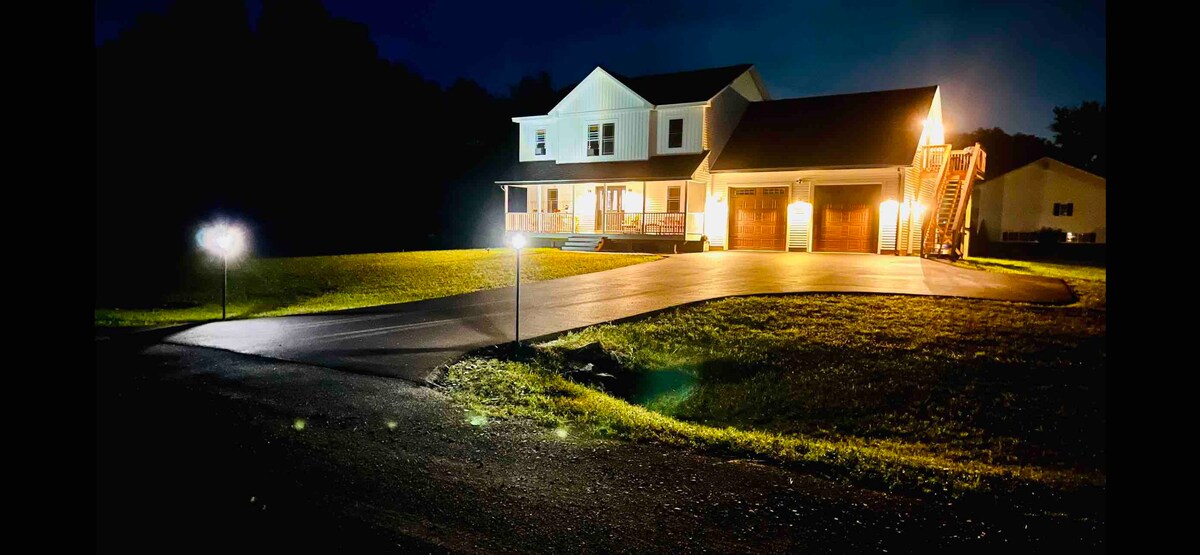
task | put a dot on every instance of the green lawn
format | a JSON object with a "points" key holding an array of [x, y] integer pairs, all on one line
{"points": [[921, 394], [278, 286], [1088, 281]]}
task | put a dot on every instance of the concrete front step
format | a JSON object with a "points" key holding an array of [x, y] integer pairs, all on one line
{"points": [[583, 243]]}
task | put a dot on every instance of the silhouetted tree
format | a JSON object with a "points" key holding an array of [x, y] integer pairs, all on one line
{"points": [[1006, 152], [1080, 132], [295, 124]]}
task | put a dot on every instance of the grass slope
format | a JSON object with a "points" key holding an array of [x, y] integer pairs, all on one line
{"points": [[913, 393], [279, 286]]}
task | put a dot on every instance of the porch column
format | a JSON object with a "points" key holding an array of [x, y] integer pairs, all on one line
{"points": [[574, 201], [505, 187], [540, 193], [686, 185], [604, 209], [643, 218]]}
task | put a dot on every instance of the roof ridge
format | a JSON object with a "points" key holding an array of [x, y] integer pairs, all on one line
{"points": [[849, 94]]}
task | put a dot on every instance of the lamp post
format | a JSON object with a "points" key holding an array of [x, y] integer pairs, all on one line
{"points": [[224, 240], [518, 242]]}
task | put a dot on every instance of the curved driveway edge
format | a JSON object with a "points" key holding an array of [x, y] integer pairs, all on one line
{"points": [[409, 340]]}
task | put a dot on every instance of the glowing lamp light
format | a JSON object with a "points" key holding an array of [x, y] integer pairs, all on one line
{"points": [[518, 241], [227, 241], [221, 239]]}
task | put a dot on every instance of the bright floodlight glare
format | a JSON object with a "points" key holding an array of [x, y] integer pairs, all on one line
{"points": [[223, 239], [518, 241]]}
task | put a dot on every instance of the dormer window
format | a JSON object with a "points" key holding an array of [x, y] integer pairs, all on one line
{"points": [[601, 138], [539, 143], [675, 133]]}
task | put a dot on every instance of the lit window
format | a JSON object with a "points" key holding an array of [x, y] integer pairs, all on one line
{"points": [[1064, 208], [675, 133], [600, 139], [673, 198], [539, 143], [552, 200]]}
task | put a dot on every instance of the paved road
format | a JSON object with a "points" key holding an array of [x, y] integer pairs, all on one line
{"points": [[200, 451], [410, 340]]}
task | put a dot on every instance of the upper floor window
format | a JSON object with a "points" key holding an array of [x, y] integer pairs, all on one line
{"points": [[1064, 208], [673, 195], [600, 138], [539, 143], [675, 133]]}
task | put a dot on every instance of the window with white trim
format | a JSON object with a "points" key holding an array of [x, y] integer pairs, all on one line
{"points": [[675, 133], [539, 142], [601, 138], [673, 198]]}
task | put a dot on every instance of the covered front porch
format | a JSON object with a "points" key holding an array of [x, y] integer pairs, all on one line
{"points": [[624, 210]]}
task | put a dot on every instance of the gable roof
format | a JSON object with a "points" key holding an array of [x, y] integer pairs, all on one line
{"points": [[680, 87], [880, 128], [1048, 163], [657, 168]]}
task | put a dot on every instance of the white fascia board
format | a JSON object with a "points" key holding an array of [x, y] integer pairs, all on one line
{"points": [[534, 119], [690, 104]]}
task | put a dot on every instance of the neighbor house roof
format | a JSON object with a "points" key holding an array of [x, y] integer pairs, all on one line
{"points": [[868, 129], [681, 87], [1047, 162], [657, 168]]}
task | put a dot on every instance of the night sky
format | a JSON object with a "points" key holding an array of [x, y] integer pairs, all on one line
{"points": [[1004, 64]]}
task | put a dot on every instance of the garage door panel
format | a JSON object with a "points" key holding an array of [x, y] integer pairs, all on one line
{"points": [[758, 217], [845, 218]]}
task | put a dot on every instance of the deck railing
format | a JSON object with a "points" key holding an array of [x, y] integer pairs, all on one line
{"points": [[934, 156]]}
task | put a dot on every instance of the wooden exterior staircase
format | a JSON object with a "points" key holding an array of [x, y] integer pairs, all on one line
{"points": [[951, 174]]}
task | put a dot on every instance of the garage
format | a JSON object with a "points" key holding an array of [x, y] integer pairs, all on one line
{"points": [[844, 218], [758, 218]]}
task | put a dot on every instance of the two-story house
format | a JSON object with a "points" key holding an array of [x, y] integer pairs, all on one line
{"points": [[706, 159]]}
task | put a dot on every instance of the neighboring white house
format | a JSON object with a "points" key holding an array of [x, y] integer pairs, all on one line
{"points": [[706, 159], [1045, 193]]}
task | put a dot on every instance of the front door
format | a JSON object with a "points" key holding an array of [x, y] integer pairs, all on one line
{"points": [[609, 199]]}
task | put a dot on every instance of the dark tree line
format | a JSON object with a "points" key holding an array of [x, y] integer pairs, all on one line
{"points": [[296, 125], [1079, 140]]}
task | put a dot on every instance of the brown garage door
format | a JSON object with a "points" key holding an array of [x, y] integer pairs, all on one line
{"points": [[845, 218], [758, 218]]}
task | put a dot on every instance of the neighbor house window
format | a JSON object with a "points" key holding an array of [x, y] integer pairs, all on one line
{"points": [[675, 133], [552, 200], [1064, 208], [673, 198], [600, 139], [539, 143]]}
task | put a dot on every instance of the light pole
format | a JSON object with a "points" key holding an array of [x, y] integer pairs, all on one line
{"points": [[225, 240], [518, 242]]}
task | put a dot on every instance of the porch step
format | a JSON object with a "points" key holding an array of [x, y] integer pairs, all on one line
{"points": [[583, 243]]}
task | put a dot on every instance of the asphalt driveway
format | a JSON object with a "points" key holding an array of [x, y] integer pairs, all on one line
{"points": [[410, 340]]}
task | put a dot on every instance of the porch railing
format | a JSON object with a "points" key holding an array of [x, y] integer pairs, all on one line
{"points": [[623, 223]]}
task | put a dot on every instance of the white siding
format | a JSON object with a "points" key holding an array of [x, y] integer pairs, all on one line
{"points": [[721, 118], [527, 131], [799, 216], [745, 85], [1029, 194], [693, 129], [631, 143], [598, 91]]}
